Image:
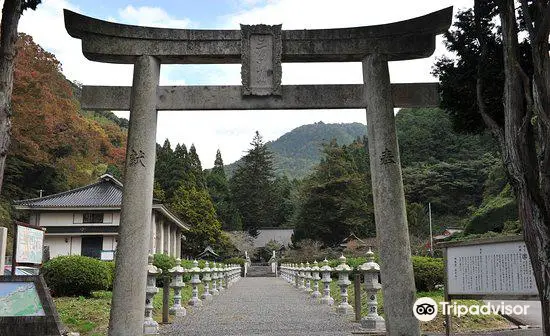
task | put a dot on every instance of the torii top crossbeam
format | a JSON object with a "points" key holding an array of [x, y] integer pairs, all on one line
{"points": [[118, 43]]}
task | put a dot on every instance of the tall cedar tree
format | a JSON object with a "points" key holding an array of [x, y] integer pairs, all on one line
{"points": [[218, 187], [336, 199], [252, 188], [506, 84]]}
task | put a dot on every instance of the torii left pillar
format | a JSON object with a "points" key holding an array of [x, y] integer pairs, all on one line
{"points": [[131, 259]]}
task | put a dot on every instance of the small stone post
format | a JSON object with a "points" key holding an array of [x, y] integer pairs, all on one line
{"points": [[206, 271], [343, 281], [150, 326], [326, 280], [195, 281], [308, 278], [370, 269], [389, 199], [315, 277], [177, 284], [214, 276]]}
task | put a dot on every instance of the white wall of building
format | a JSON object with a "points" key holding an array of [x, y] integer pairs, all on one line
{"points": [[63, 245], [68, 218]]}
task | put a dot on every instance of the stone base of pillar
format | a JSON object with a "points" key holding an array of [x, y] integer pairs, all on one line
{"points": [[150, 327], [373, 323], [206, 296], [195, 302], [327, 300], [178, 311], [315, 295], [345, 309], [215, 292]]}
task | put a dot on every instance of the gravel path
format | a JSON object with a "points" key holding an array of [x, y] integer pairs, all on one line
{"points": [[261, 306]]}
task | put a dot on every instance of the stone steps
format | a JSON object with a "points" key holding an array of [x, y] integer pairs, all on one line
{"points": [[259, 271]]}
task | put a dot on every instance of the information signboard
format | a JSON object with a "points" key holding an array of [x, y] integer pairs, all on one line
{"points": [[491, 269], [30, 242]]}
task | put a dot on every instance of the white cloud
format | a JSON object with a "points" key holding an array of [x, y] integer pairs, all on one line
{"points": [[150, 17]]}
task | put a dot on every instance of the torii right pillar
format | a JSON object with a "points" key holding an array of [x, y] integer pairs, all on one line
{"points": [[389, 200]]}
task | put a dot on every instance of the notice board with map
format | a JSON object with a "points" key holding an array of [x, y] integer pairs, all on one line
{"points": [[30, 242], [26, 307]]}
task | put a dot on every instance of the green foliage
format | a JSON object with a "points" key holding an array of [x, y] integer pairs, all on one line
{"points": [[164, 262], [336, 199], [218, 188], [253, 189], [235, 260], [451, 186], [111, 265], [428, 272], [76, 275], [492, 215], [194, 207]]}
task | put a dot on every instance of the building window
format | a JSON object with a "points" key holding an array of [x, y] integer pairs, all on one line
{"points": [[92, 217]]}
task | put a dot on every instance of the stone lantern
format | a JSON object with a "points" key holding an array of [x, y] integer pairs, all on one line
{"points": [[298, 276], [214, 276], [307, 277], [177, 284], [326, 280], [302, 276], [226, 276], [206, 271], [315, 277], [370, 270], [150, 326], [195, 281], [221, 270], [343, 281]]}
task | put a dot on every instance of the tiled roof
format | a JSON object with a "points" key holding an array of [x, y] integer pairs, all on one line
{"points": [[107, 192]]}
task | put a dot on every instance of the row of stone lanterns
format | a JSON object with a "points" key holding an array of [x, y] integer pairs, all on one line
{"points": [[301, 276], [216, 278]]}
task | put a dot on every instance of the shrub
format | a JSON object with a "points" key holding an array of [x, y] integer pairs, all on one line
{"points": [[428, 272], [111, 266], [164, 262], [76, 275]]}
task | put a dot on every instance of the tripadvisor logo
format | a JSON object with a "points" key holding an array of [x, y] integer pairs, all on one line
{"points": [[425, 309]]}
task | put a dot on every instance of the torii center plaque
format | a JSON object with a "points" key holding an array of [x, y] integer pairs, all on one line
{"points": [[260, 49]]}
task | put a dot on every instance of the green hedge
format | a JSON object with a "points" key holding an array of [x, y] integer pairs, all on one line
{"points": [[428, 272], [76, 275]]}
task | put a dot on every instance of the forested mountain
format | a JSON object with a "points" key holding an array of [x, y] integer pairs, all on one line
{"points": [[296, 153]]}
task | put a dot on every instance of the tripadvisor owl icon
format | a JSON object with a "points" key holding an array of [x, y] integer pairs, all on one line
{"points": [[425, 309]]}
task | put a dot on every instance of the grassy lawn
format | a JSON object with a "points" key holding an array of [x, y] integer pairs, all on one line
{"points": [[462, 324], [90, 316]]}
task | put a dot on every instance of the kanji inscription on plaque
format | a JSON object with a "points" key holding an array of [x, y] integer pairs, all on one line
{"points": [[261, 51]]}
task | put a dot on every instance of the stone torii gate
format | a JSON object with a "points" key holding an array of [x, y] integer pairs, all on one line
{"points": [[261, 49]]}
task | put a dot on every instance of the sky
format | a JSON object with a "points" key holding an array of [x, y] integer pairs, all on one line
{"points": [[231, 131]]}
